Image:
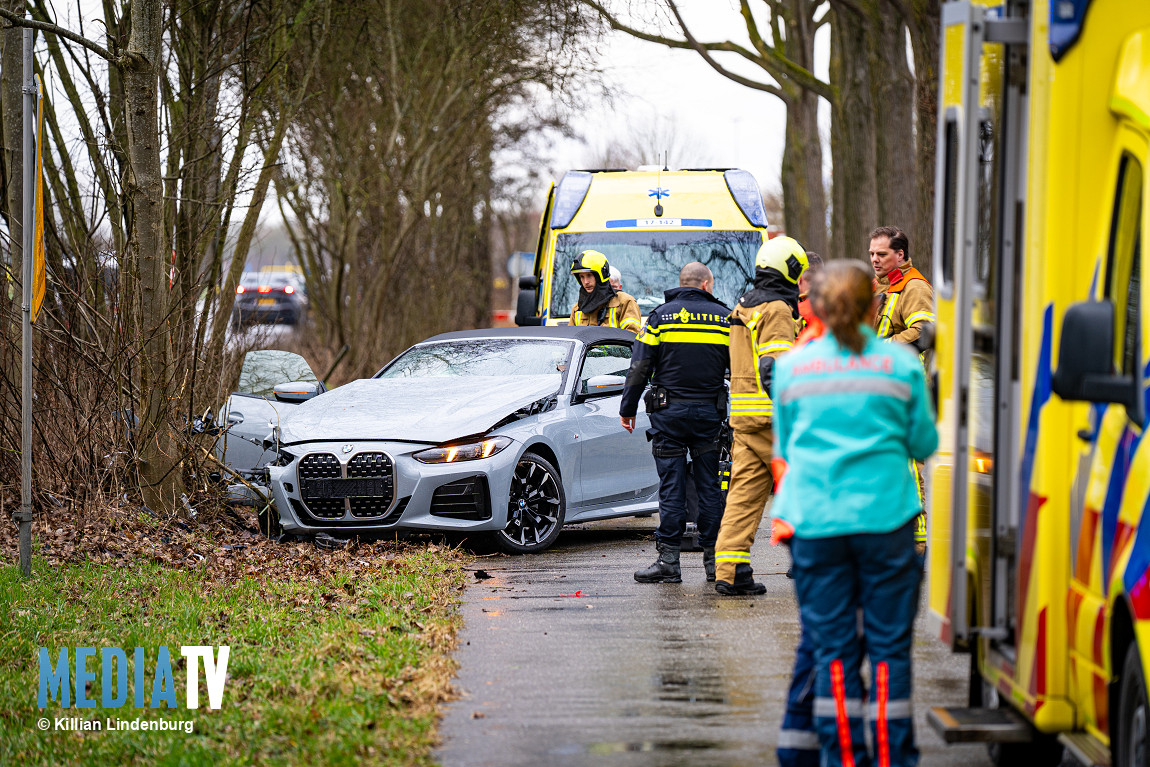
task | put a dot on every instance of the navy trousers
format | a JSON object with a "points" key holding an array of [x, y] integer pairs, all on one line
{"points": [[798, 739], [676, 430], [836, 576]]}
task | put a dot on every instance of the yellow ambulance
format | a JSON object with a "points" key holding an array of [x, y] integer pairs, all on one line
{"points": [[649, 223], [1038, 565]]}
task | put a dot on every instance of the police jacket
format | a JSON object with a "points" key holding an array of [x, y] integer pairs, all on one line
{"points": [[758, 333], [847, 425], [684, 348], [622, 311], [907, 305]]}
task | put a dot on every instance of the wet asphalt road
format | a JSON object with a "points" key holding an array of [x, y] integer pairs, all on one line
{"points": [[641, 675]]}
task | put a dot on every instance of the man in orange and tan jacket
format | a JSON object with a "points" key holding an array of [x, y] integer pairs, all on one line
{"points": [[905, 314]]}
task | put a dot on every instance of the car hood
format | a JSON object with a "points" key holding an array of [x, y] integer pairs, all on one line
{"points": [[432, 410]]}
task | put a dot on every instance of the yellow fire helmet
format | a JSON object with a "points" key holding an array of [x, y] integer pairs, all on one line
{"points": [[592, 261], [785, 255]]}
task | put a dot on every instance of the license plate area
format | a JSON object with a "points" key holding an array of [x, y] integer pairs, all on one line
{"points": [[266, 302], [372, 487]]}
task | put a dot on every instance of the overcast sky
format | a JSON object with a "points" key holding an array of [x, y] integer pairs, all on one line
{"points": [[725, 124]]}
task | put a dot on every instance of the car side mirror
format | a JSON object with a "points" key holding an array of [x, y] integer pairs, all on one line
{"points": [[603, 386], [296, 391], [1086, 359], [525, 305]]}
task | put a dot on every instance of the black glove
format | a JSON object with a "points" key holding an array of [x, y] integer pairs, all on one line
{"points": [[766, 372]]}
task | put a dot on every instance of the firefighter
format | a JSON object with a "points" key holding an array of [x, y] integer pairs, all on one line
{"points": [[763, 326], [807, 315], [905, 314], [600, 303], [683, 352], [851, 411]]}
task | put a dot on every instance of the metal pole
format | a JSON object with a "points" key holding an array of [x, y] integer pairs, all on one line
{"points": [[24, 518]]}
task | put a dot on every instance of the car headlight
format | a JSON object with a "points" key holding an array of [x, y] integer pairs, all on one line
{"points": [[467, 452]]}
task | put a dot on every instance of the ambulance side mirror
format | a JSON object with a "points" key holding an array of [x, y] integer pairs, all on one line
{"points": [[525, 305], [1086, 359]]}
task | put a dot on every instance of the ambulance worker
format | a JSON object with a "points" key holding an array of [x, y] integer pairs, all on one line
{"points": [[850, 413]]}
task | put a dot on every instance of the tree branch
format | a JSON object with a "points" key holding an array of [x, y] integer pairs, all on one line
{"points": [[703, 49], [43, 26]]}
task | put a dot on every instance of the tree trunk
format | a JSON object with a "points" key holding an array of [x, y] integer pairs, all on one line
{"points": [[804, 195], [852, 138], [892, 89], [148, 250], [924, 43]]}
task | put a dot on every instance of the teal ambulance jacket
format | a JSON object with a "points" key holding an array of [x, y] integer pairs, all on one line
{"points": [[848, 427]]}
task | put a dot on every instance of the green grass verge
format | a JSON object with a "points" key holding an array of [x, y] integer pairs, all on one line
{"points": [[335, 658]]}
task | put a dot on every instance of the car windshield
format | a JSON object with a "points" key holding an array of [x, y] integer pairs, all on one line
{"points": [[650, 262], [263, 370], [470, 357]]}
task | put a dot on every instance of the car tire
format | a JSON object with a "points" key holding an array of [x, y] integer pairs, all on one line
{"points": [[536, 507], [1130, 743]]}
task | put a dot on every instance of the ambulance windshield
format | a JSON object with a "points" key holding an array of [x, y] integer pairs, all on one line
{"points": [[650, 262]]}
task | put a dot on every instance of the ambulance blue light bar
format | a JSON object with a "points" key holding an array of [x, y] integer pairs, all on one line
{"points": [[746, 192], [569, 195]]}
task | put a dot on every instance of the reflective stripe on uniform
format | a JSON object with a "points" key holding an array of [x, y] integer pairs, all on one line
{"points": [[879, 706], [648, 336], [733, 556], [799, 740], [630, 322], [871, 385], [895, 709], [774, 346], [887, 311], [824, 708], [842, 713], [751, 404], [919, 317]]}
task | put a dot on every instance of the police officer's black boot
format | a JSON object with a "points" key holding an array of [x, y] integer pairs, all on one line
{"points": [[709, 563], [744, 584], [666, 567]]}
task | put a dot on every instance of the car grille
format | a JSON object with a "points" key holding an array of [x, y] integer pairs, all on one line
{"points": [[371, 465], [322, 480], [462, 499]]}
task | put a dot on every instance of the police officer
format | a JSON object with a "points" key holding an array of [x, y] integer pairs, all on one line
{"points": [[763, 326], [600, 303], [683, 352]]}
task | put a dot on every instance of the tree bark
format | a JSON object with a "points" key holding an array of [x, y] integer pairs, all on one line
{"points": [[924, 26], [801, 175], [852, 137], [147, 257], [892, 91]]}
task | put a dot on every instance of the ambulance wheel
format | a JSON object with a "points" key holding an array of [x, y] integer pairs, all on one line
{"points": [[1129, 744], [536, 507]]}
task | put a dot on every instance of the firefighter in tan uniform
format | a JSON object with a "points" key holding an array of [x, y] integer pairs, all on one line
{"points": [[600, 303], [763, 326], [905, 314]]}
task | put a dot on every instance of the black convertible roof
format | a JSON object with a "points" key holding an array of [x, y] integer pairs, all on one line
{"points": [[586, 335]]}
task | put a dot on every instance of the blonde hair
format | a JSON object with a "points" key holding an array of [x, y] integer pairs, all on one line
{"points": [[843, 299]]}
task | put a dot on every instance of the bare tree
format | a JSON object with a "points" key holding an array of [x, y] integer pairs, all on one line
{"points": [[784, 50]]}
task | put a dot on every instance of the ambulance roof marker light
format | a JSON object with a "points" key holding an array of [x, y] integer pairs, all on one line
{"points": [[746, 192], [569, 196]]}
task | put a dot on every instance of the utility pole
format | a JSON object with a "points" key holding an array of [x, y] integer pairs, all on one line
{"points": [[24, 516]]}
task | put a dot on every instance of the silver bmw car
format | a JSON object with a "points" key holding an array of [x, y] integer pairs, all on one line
{"points": [[513, 431]]}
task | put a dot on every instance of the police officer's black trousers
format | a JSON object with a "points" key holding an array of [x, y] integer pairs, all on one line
{"points": [[682, 427]]}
